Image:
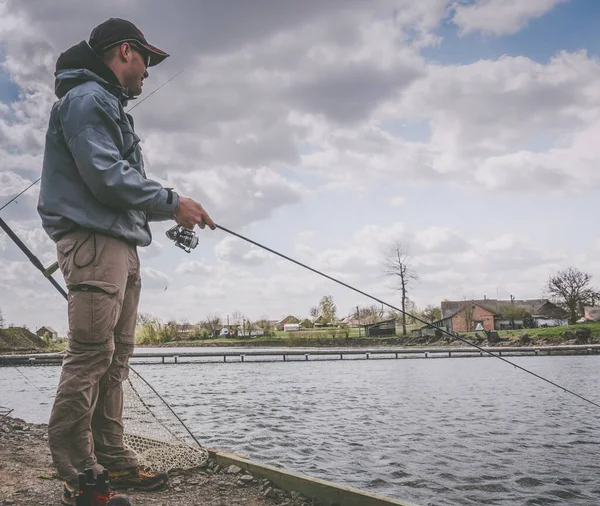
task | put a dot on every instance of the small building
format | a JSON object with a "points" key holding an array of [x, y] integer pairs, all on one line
{"points": [[251, 332], [384, 328], [291, 327], [472, 316], [46, 330], [321, 322], [350, 321], [288, 319], [492, 314], [430, 330]]}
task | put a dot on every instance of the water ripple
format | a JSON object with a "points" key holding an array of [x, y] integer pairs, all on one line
{"points": [[443, 432]]}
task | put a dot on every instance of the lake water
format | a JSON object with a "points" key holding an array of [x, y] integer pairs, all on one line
{"points": [[433, 432]]}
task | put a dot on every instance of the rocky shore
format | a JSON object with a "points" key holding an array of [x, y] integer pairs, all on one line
{"points": [[28, 478]]}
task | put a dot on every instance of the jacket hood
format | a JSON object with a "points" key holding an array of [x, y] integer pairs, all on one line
{"points": [[81, 63]]}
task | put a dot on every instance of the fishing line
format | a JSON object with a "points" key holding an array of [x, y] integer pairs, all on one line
{"points": [[23, 374], [17, 196], [451, 334], [166, 404], [148, 96]]}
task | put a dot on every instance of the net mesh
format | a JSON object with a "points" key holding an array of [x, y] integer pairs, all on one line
{"points": [[153, 432]]}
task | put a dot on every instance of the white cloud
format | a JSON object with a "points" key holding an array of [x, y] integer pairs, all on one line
{"points": [[154, 250], [284, 112], [439, 239], [484, 116], [234, 250], [194, 267], [500, 17], [11, 184], [398, 201], [154, 279]]}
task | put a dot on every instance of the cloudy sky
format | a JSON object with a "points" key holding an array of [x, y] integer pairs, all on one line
{"points": [[469, 130]]}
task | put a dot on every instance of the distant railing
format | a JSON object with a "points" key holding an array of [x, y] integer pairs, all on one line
{"points": [[287, 355]]}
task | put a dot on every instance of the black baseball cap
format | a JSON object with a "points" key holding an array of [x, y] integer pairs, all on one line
{"points": [[115, 31]]}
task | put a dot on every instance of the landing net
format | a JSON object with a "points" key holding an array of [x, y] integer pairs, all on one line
{"points": [[153, 432]]}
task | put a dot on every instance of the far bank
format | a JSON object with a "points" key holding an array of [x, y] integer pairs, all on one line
{"points": [[14, 340], [577, 334]]}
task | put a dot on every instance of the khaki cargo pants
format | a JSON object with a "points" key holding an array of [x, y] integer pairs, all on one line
{"points": [[85, 429]]}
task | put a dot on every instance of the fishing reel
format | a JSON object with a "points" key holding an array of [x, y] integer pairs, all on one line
{"points": [[184, 238]]}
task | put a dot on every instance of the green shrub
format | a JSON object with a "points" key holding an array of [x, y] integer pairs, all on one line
{"points": [[195, 333], [155, 333]]}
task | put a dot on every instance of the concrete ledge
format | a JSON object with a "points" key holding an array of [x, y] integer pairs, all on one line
{"points": [[326, 492]]}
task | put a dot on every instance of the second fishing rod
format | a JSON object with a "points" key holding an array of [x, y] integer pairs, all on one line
{"points": [[186, 239]]}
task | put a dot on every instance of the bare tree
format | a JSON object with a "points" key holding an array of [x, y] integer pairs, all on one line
{"points": [[237, 317], [396, 265], [469, 311], [1, 320], [370, 314], [572, 289], [145, 319], [392, 314], [412, 309], [212, 323], [264, 324], [314, 312]]}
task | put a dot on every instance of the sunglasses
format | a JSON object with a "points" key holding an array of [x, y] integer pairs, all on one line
{"points": [[145, 54]]}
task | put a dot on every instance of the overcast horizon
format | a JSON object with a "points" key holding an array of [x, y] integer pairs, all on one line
{"points": [[327, 130]]}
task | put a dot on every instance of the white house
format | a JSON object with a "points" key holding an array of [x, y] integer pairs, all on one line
{"points": [[253, 332], [291, 327], [42, 331]]}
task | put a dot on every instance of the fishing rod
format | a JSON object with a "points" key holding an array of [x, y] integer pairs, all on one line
{"points": [[47, 272], [429, 324], [35, 261], [186, 239]]}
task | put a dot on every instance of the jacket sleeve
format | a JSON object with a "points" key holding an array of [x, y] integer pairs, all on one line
{"points": [[95, 141]]}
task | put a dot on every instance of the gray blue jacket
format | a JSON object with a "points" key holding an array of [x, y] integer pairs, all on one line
{"points": [[93, 173]]}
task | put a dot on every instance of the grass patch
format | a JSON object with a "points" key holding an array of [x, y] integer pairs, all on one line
{"points": [[20, 339], [549, 335]]}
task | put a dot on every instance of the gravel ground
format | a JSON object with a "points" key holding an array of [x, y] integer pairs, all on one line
{"points": [[28, 478]]}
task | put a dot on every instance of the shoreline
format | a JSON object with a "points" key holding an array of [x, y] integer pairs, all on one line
{"points": [[532, 341], [29, 479], [576, 334], [168, 355]]}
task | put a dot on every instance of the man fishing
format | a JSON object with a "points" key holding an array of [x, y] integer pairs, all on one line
{"points": [[95, 203]]}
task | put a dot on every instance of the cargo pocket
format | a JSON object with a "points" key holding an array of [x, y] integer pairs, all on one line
{"points": [[93, 311], [64, 247]]}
